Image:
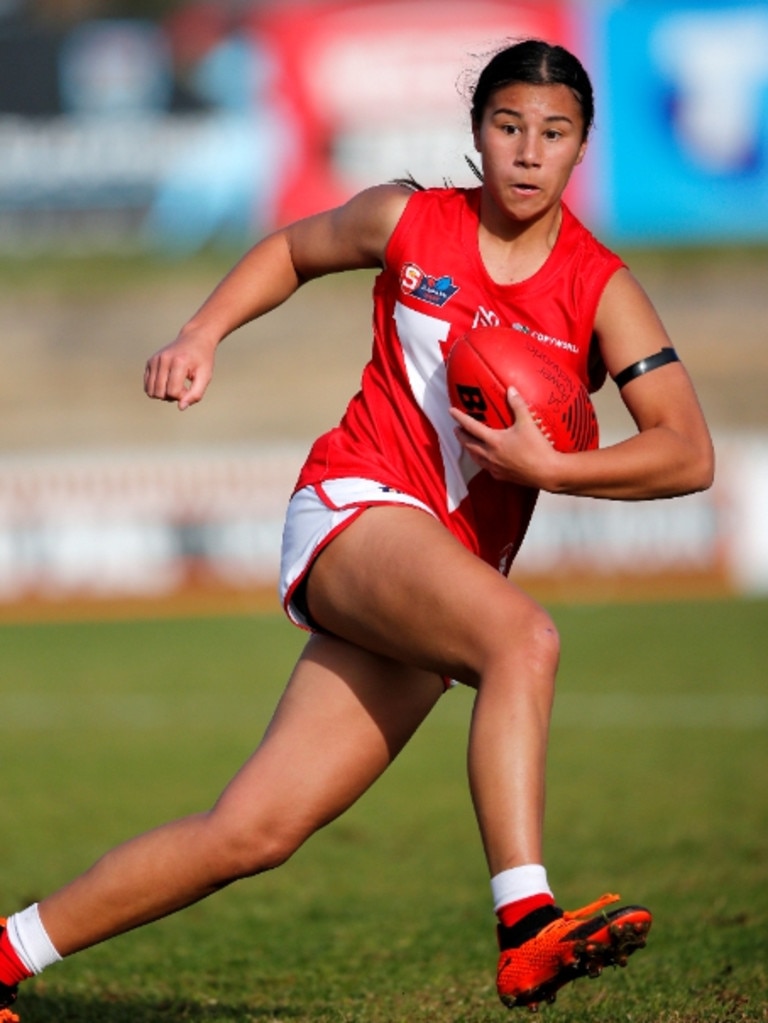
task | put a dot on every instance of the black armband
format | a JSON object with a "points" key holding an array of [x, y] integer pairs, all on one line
{"points": [[637, 369]]}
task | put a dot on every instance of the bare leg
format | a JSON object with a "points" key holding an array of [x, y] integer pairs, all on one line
{"points": [[439, 607], [343, 718]]}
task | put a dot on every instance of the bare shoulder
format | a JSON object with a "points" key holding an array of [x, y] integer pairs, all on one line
{"points": [[624, 289], [374, 213], [351, 236], [627, 324]]}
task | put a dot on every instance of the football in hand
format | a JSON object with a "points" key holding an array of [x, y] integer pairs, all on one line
{"points": [[486, 361]]}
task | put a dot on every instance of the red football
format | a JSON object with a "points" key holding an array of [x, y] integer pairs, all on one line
{"points": [[485, 361]]}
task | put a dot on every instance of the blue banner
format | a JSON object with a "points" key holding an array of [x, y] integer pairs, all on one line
{"points": [[683, 132]]}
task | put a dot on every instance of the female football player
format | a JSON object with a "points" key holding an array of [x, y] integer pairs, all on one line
{"points": [[403, 525]]}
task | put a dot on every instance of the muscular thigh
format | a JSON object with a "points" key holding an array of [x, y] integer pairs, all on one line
{"points": [[345, 715], [398, 583]]}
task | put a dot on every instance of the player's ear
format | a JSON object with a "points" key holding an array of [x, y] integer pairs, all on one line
{"points": [[582, 152], [476, 137]]}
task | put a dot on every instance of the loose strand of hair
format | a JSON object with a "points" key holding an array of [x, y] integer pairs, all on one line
{"points": [[474, 168]]}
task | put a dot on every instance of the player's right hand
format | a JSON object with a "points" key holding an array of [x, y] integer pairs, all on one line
{"points": [[181, 371]]}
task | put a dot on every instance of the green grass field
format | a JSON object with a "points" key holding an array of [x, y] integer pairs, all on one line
{"points": [[658, 783]]}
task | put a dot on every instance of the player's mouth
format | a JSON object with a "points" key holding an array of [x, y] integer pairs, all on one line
{"points": [[525, 188]]}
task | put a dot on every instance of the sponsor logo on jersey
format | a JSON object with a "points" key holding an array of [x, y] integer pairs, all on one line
{"points": [[434, 290], [546, 339], [485, 318]]}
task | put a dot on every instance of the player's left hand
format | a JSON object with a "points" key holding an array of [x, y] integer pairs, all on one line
{"points": [[519, 454]]}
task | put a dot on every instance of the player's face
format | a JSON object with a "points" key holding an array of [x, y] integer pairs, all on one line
{"points": [[530, 139]]}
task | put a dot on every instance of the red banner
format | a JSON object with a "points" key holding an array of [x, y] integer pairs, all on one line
{"points": [[375, 90]]}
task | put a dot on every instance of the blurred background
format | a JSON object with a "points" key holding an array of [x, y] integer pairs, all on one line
{"points": [[145, 145]]}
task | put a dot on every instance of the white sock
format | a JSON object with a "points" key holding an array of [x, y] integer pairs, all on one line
{"points": [[519, 883], [30, 940]]}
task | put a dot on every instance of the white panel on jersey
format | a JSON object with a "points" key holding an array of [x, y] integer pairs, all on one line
{"points": [[420, 337]]}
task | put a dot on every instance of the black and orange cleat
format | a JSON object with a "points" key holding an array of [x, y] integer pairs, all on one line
{"points": [[564, 946]]}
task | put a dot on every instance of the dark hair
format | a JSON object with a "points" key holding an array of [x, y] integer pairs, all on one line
{"points": [[536, 63]]}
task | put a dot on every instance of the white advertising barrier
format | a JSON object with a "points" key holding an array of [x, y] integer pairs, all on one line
{"points": [[743, 479], [149, 524], [141, 524]]}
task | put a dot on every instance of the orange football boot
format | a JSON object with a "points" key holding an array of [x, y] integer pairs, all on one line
{"points": [[576, 944]]}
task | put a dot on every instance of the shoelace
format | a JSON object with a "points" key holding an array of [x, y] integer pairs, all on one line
{"points": [[593, 907], [576, 914]]}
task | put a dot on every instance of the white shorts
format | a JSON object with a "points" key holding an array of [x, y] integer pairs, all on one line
{"points": [[316, 514]]}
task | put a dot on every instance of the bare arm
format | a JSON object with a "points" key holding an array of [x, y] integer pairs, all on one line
{"points": [[353, 236], [670, 454]]}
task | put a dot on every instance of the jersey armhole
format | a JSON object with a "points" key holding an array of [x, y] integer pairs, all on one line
{"points": [[597, 372]]}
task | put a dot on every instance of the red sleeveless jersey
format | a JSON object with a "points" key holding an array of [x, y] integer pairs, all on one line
{"points": [[397, 429]]}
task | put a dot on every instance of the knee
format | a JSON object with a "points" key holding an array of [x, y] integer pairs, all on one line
{"points": [[542, 642], [525, 644], [241, 849]]}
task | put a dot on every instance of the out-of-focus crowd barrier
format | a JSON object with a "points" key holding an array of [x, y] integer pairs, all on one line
{"points": [[148, 527]]}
